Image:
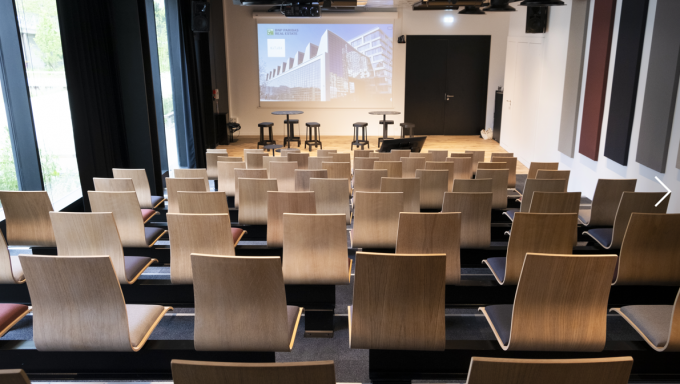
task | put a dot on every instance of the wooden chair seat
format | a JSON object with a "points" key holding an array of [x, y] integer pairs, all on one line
{"points": [[10, 314], [147, 214], [27, 216], [202, 372], [10, 267]]}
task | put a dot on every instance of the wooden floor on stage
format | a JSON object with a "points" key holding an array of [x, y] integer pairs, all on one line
{"points": [[342, 144]]}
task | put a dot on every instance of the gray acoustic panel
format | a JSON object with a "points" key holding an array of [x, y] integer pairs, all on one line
{"points": [[661, 87], [574, 75]]}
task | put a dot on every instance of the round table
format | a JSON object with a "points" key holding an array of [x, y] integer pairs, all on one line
{"points": [[291, 133], [274, 147], [384, 114]]}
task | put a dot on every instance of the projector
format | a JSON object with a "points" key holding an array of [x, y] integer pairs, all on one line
{"points": [[301, 9]]}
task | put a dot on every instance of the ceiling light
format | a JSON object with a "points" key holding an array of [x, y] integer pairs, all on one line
{"points": [[499, 6], [471, 10], [448, 19]]}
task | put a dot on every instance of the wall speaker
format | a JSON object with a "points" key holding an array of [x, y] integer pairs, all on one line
{"points": [[200, 16], [537, 19]]}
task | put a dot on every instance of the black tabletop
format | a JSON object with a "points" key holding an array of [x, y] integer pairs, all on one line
{"points": [[287, 113], [384, 113]]}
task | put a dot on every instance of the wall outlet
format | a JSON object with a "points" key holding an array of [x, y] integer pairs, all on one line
{"points": [[233, 120]]}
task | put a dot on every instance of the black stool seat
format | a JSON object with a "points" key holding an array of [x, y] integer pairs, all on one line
{"points": [[313, 124], [360, 124], [386, 121], [291, 121], [407, 125], [266, 124]]}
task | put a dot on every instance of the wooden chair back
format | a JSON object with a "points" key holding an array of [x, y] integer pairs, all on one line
{"points": [[226, 176], [428, 233], [475, 217], [229, 159], [253, 150], [315, 249], [399, 153], [203, 202], [216, 150], [340, 171], [302, 177], [477, 157], [410, 187], [113, 185], [561, 303], [473, 185], [555, 202], [393, 167], [368, 180], [126, 213], [253, 200], [446, 165], [301, 158], [534, 167], [360, 153], [211, 159], [284, 173], [493, 370], [434, 183], [510, 165], [364, 162], [553, 175], [376, 219], [650, 253], [501, 154], [175, 185], [489, 165], [240, 173], [325, 152], [427, 156], [230, 314], [385, 156], [330, 197], [540, 185], [14, 376], [286, 151], [537, 233], [462, 167], [193, 173], [316, 162], [203, 372], [27, 217], [285, 202], [141, 183], [373, 155], [196, 233], [254, 160], [439, 155], [410, 164], [606, 200], [499, 178], [398, 302], [635, 202], [267, 160], [7, 273], [341, 157]]}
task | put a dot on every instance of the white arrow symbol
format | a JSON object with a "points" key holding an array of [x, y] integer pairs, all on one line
{"points": [[667, 189]]}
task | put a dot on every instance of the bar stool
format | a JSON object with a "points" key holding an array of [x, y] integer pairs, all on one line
{"points": [[290, 136], [364, 139], [312, 137], [262, 140], [384, 123], [405, 126]]}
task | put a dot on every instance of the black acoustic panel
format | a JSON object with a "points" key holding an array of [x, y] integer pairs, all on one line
{"points": [[625, 83]]}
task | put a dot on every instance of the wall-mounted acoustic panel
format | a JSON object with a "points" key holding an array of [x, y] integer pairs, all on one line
{"points": [[596, 80], [578, 30], [626, 76], [661, 88]]}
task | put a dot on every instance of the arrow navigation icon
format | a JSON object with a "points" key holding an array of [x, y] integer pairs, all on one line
{"points": [[667, 193]]}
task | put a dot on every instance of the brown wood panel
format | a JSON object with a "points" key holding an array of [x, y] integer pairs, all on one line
{"points": [[204, 372]]}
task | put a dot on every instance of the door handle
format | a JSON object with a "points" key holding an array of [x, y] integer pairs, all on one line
{"points": [[447, 96]]}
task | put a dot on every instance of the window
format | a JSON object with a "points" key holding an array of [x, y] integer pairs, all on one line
{"points": [[8, 173], [43, 58]]}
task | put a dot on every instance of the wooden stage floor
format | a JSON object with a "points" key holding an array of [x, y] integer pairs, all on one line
{"points": [[342, 144]]}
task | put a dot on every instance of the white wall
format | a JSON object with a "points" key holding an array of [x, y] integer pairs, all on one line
{"points": [[243, 67], [584, 171]]}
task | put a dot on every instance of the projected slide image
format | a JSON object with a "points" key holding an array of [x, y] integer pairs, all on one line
{"points": [[343, 65]]}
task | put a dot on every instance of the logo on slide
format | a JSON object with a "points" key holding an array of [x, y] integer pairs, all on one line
{"points": [[276, 48], [270, 32]]}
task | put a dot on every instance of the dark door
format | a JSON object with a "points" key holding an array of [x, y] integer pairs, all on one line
{"points": [[446, 84]]}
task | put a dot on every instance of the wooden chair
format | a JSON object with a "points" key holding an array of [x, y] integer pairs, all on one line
{"points": [[231, 315], [553, 175], [410, 187], [302, 177], [253, 203], [129, 221], [301, 158], [198, 233], [650, 252], [473, 185], [240, 173], [439, 155], [376, 219], [410, 164], [360, 153], [607, 370], [510, 165], [141, 183], [315, 250], [499, 178], [501, 154], [477, 157], [226, 176], [382, 156], [536, 233], [202, 202], [10, 267], [364, 163], [121, 185], [330, 197], [85, 234], [10, 315], [279, 203], [73, 313], [193, 173], [174, 185], [27, 216], [201, 372], [267, 160], [340, 171], [555, 202], [658, 325], [399, 153], [475, 217], [325, 152], [229, 159], [560, 305], [216, 150], [398, 302], [427, 156], [434, 183], [530, 188], [393, 167], [606, 200], [462, 167], [534, 167], [341, 157], [14, 376], [286, 151], [428, 233], [254, 160], [284, 173], [442, 165], [631, 202], [316, 162], [368, 180]]}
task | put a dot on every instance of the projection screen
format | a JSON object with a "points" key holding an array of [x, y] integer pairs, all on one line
{"points": [[325, 65]]}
